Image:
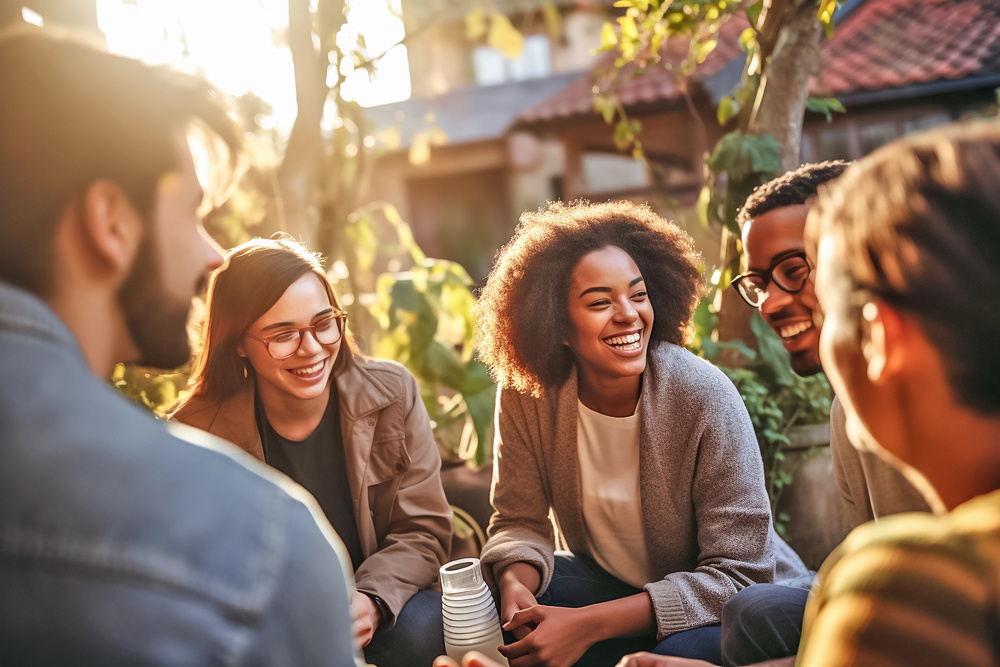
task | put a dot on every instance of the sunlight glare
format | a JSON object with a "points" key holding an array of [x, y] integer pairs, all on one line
{"points": [[232, 43]]}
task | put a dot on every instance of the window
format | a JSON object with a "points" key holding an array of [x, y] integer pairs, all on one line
{"points": [[874, 135], [832, 143], [492, 67], [608, 172]]}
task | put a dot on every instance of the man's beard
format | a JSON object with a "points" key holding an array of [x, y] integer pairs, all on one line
{"points": [[805, 363], [156, 320]]}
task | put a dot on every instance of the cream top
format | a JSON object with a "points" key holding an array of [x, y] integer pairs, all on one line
{"points": [[608, 452]]}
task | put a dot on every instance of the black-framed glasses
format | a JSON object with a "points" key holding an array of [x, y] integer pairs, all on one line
{"points": [[284, 343], [790, 273]]}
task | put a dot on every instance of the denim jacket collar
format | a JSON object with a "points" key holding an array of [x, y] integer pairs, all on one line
{"points": [[23, 312]]}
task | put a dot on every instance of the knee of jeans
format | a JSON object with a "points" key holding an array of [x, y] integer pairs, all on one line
{"points": [[746, 604], [420, 616]]}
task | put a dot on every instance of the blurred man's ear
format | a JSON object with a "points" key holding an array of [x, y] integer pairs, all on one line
{"points": [[884, 341], [110, 226]]}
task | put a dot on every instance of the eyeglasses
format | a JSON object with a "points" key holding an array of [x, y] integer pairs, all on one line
{"points": [[286, 342], [789, 273]]}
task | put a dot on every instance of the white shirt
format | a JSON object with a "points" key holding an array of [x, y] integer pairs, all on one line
{"points": [[608, 452]]}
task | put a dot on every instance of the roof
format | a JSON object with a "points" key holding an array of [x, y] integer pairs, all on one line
{"points": [[881, 49], [471, 113], [899, 43], [656, 84]]}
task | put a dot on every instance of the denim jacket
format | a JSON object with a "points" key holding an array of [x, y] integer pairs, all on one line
{"points": [[124, 544]]}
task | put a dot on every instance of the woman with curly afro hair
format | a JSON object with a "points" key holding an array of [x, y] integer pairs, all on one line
{"points": [[613, 441]]}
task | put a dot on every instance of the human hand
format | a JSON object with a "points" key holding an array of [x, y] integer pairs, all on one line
{"points": [[558, 637], [470, 659], [514, 597], [653, 660], [364, 618]]}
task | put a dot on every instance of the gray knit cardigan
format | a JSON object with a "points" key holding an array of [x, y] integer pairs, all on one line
{"points": [[705, 512]]}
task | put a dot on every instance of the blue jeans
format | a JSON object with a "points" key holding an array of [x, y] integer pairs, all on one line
{"points": [[762, 622], [416, 638], [578, 581]]}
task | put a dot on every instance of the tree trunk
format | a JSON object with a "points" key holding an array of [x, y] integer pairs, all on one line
{"points": [[784, 89], [789, 35], [298, 209]]}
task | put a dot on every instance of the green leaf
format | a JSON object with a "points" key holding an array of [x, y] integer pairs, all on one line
{"points": [[702, 49], [705, 319], [475, 24], [481, 407], [728, 108], [753, 12], [825, 106], [825, 14], [764, 152], [609, 39], [442, 362], [605, 108], [629, 30], [704, 200], [772, 352], [477, 378], [504, 37]]}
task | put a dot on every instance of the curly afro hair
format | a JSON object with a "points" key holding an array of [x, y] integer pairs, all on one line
{"points": [[790, 189], [523, 310]]}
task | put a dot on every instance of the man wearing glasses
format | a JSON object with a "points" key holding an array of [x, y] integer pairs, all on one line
{"points": [[764, 622]]}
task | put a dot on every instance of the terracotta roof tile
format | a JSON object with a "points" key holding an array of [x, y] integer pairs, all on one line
{"points": [[899, 43], [882, 44], [655, 84]]}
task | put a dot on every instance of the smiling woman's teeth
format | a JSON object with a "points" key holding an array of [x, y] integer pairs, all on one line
{"points": [[794, 329], [629, 342], [309, 370]]}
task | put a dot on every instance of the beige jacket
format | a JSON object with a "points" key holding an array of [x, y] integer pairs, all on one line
{"points": [[403, 517], [870, 486], [705, 513]]}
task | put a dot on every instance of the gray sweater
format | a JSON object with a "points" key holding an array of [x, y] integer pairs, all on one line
{"points": [[706, 516]]}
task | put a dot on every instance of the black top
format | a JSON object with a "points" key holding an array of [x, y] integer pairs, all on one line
{"points": [[318, 463]]}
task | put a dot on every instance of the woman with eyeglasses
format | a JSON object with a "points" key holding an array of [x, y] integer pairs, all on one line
{"points": [[279, 375]]}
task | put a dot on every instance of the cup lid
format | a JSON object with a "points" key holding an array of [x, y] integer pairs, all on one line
{"points": [[461, 575]]}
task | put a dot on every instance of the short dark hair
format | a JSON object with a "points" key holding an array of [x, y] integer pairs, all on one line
{"points": [[73, 114], [917, 225], [790, 189], [523, 311], [252, 279]]}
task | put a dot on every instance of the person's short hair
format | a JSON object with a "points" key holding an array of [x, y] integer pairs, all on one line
{"points": [[790, 189], [73, 114], [917, 225], [252, 279], [523, 310]]}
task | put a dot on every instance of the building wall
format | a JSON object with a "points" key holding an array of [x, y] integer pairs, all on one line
{"points": [[441, 57]]}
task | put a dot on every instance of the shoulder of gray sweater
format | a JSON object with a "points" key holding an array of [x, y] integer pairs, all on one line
{"points": [[704, 381]]}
